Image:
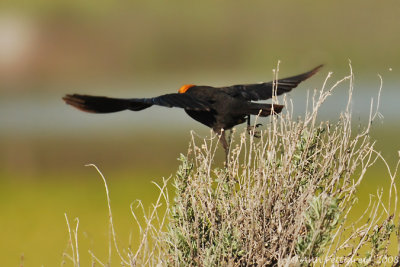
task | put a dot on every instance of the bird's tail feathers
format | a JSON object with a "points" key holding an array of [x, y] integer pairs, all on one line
{"points": [[264, 110]]}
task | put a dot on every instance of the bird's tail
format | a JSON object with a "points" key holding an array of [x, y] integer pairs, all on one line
{"points": [[264, 110], [101, 104]]}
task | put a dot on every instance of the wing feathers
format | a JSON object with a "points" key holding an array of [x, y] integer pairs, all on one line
{"points": [[263, 91], [96, 104], [181, 101], [101, 104]]}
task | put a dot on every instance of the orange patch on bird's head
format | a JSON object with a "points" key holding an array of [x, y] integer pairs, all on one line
{"points": [[184, 88]]}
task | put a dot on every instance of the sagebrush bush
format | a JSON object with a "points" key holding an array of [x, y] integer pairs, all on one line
{"points": [[281, 199]]}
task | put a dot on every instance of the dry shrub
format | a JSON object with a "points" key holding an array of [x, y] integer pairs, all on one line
{"points": [[283, 199]]}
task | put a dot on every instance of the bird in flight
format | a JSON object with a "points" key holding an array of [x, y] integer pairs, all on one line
{"points": [[219, 108]]}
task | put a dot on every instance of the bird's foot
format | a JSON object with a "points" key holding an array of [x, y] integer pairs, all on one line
{"points": [[252, 130]]}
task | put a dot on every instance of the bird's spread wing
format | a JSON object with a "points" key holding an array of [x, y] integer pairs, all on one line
{"points": [[184, 101], [262, 91], [102, 104], [96, 104]]}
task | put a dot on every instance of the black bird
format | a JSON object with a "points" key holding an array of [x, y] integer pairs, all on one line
{"points": [[220, 108]]}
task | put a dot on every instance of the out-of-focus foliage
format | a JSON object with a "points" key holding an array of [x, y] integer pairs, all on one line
{"points": [[74, 41]]}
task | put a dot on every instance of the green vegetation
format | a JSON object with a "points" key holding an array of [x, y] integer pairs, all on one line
{"points": [[171, 43], [33, 225]]}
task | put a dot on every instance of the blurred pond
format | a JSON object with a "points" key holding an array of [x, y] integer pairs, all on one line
{"points": [[45, 114]]}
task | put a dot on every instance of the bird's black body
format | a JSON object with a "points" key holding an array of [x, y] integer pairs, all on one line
{"points": [[219, 108], [225, 111]]}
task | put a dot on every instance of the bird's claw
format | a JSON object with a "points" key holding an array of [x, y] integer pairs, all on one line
{"points": [[251, 130]]}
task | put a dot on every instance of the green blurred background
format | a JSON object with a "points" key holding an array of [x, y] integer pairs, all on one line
{"points": [[145, 48]]}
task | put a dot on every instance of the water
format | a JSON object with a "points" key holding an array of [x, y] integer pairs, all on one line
{"points": [[46, 114]]}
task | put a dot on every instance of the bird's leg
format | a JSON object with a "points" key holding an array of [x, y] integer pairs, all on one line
{"points": [[224, 144], [230, 136], [252, 129]]}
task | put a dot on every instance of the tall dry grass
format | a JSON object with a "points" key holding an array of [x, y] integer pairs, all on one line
{"points": [[283, 199]]}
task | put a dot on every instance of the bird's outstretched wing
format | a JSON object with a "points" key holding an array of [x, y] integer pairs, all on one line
{"points": [[263, 91], [102, 104]]}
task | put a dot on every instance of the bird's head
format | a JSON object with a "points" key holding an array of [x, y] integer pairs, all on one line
{"points": [[184, 88]]}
